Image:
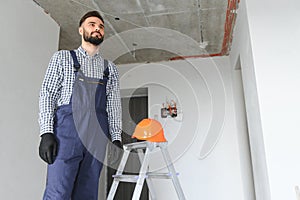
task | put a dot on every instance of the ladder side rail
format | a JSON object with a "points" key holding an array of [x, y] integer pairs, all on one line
{"points": [[172, 171], [148, 180], [116, 182], [142, 175]]}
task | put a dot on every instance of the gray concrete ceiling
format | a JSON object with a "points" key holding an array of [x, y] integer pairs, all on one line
{"points": [[145, 30]]}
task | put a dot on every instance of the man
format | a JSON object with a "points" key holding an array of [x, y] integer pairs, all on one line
{"points": [[79, 106]]}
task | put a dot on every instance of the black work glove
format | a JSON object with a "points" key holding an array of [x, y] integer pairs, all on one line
{"points": [[48, 148], [118, 143]]}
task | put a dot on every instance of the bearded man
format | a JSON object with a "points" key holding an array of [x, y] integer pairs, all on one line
{"points": [[79, 112]]}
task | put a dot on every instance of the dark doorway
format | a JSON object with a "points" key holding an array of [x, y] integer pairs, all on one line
{"points": [[134, 109]]}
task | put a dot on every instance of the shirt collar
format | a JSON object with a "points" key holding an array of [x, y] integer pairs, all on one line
{"points": [[84, 53]]}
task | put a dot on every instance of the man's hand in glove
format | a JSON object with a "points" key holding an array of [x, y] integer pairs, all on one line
{"points": [[118, 144], [48, 148]]}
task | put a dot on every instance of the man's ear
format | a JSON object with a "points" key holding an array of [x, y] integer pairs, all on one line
{"points": [[80, 30]]}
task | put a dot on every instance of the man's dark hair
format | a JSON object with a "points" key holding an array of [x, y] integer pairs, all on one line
{"points": [[90, 14]]}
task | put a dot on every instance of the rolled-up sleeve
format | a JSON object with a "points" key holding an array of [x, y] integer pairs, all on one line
{"points": [[114, 109], [49, 94]]}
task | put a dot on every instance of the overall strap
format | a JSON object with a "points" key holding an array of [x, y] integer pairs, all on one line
{"points": [[106, 69], [76, 63]]}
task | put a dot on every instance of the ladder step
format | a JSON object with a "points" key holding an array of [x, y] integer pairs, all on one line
{"points": [[133, 178], [160, 175], [126, 178], [136, 145]]}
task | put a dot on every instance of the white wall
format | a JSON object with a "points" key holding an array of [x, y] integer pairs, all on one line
{"points": [[203, 140], [241, 50], [270, 30], [28, 38]]}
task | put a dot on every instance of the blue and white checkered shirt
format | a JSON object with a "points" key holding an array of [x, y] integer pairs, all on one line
{"points": [[58, 84]]}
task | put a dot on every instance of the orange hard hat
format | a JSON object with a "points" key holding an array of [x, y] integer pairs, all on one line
{"points": [[150, 130]]}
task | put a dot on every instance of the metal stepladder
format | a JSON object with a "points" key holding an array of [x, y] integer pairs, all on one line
{"points": [[143, 173]]}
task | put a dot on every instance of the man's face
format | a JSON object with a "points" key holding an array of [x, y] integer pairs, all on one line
{"points": [[92, 30]]}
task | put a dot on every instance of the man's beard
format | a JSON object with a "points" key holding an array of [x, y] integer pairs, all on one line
{"points": [[93, 40]]}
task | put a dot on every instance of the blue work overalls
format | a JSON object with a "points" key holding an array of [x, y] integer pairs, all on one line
{"points": [[81, 129]]}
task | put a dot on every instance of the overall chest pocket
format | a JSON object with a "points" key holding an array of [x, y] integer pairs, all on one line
{"points": [[98, 82]]}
